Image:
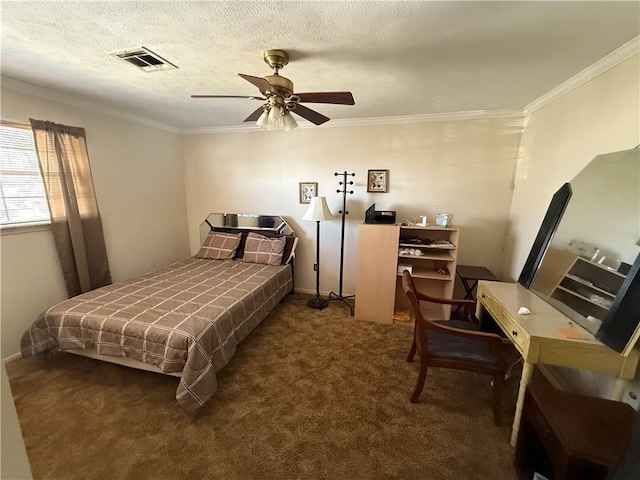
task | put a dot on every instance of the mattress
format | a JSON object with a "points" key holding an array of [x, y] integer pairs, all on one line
{"points": [[187, 317]]}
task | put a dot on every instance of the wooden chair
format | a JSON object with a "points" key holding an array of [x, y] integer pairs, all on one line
{"points": [[457, 344]]}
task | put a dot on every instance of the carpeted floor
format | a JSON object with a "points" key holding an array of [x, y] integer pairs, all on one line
{"points": [[309, 395]]}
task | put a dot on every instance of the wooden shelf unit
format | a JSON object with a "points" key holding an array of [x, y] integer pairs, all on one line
{"points": [[584, 286], [378, 283]]}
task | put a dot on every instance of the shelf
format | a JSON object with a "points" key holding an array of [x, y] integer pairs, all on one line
{"points": [[429, 227], [442, 256], [582, 297], [579, 280], [429, 273], [583, 287], [588, 285], [428, 247], [604, 268]]}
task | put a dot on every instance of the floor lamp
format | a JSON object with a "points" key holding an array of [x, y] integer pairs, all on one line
{"points": [[318, 212]]}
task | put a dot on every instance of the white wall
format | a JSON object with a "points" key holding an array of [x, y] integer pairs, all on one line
{"points": [[462, 167], [139, 182], [561, 138]]}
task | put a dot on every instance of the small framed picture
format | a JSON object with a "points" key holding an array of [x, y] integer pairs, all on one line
{"points": [[378, 181], [308, 190]]}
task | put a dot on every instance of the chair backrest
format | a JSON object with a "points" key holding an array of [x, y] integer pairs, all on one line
{"points": [[409, 289], [410, 292]]}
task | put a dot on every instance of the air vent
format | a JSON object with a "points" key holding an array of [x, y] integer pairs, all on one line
{"points": [[144, 59]]}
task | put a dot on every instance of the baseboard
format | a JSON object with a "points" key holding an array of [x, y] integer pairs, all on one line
{"points": [[322, 294], [11, 358], [304, 290]]}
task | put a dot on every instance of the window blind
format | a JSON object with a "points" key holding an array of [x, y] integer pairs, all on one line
{"points": [[22, 196]]}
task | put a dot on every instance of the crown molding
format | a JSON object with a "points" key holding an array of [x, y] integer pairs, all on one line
{"points": [[28, 88], [619, 55], [626, 51], [360, 122], [428, 117], [47, 94], [252, 127]]}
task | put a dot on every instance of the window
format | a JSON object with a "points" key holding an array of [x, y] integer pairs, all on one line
{"points": [[23, 200]]}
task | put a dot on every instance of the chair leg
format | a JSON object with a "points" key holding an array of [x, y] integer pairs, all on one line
{"points": [[412, 350], [414, 345], [498, 383], [420, 383]]}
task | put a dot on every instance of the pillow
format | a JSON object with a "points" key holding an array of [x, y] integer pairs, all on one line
{"points": [[219, 246], [289, 246], [262, 249]]}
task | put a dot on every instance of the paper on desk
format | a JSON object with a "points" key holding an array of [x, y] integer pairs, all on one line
{"points": [[572, 333]]}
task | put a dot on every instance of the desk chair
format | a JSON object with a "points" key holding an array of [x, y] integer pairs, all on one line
{"points": [[456, 344]]}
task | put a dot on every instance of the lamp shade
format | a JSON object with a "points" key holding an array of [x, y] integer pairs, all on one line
{"points": [[289, 122], [275, 118], [263, 120], [318, 210]]}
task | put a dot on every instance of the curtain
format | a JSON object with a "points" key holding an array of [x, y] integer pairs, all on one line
{"points": [[75, 220]]}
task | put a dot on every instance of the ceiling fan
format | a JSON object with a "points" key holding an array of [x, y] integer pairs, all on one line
{"points": [[280, 100]]}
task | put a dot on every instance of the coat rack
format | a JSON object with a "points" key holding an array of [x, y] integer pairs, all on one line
{"points": [[343, 190]]}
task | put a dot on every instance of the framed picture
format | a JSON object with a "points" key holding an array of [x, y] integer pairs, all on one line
{"points": [[378, 181], [307, 191]]}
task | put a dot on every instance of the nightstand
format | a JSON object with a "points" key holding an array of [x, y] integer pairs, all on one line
{"points": [[569, 436]]}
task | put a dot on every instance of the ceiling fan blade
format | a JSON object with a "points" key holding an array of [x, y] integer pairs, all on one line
{"points": [[311, 115], [340, 98], [250, 97], [259, 82], [254, 116]]}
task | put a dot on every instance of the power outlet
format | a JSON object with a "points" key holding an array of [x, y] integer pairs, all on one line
{"points": [[315, 267]]}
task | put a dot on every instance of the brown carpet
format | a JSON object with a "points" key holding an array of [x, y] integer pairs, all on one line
{"points": [[309, 395]]}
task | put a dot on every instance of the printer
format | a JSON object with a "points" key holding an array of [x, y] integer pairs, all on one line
{"points": [[379, 216]]}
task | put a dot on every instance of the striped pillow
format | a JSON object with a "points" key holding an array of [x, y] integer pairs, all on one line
{"points": [[261, 249], [219, 246]]}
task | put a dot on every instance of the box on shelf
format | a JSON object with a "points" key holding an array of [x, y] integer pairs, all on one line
{"points": [[444, 220]]}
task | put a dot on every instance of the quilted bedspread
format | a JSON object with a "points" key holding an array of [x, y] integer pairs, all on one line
{"points": [[187, 317]]}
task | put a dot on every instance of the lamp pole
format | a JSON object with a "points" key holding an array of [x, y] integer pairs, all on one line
{"points": [[317, 302], [318, 211]]}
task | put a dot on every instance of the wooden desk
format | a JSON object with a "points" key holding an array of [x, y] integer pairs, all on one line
{"points": [[537, 339]]}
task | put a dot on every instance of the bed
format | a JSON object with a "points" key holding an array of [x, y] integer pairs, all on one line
{"points": [[185, 319]]}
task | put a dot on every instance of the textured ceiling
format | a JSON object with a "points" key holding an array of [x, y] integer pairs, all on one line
{"points": [[397, 58]]}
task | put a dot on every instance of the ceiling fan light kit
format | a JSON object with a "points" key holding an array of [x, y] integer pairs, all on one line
{"points": [[289, 122], [280, 100], [275, 115], [263, 120]]}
